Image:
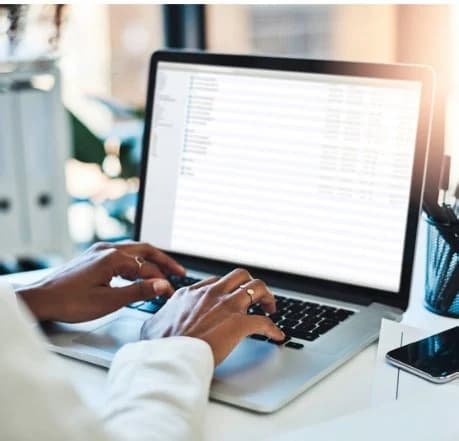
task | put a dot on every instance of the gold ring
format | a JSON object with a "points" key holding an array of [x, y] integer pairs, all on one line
{"points": [[140, 261], [250, 292]]}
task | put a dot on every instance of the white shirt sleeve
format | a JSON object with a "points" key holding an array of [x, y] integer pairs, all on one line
{"points": [[168, 405], [157, 389]]}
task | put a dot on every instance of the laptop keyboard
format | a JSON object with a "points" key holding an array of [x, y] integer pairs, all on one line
{"points": [[302, 319], [154, 305], [179, 282], [298, 319]]}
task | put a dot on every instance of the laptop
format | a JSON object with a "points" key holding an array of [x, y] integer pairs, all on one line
{"points": [[307, 173]]}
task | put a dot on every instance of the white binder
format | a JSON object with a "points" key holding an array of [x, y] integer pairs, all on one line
{"points": [[34, 146], [45, 149], [13, 224]]}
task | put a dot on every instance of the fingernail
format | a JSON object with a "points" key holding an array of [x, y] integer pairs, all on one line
{"points": [[160, 285], [182, 269]]}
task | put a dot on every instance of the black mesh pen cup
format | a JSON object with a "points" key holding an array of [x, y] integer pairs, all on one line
{"points": [[442, 269]]}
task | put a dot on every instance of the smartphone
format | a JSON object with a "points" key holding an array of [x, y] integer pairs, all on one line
{"points": [[435, 358]]}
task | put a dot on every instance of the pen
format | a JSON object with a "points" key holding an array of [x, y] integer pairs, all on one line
{"points": [[456, 198], [450, 214], [444, 176], [434, 212]]}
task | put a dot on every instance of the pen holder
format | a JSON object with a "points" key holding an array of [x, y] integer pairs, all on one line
{"points": [[442, 269]]}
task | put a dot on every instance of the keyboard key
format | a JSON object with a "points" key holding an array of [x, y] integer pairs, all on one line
{"points": [[135, 305], [275, 317], [281, 303], [299, 308], [256, 309], [311, 336], [330, 323], [288, 322], [294, 315], [179, 282], [160, 300], [294, 345], [150, 307], [343, 314], [259, 337], [282, 308], [307, 327], [309, 333], [296, 332], [322, 329], [329, 315], [310, 321], [320, 311]]}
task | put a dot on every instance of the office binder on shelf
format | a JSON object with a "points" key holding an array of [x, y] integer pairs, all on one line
{"points": [[12, 221], [44, 143], [34, 146]]}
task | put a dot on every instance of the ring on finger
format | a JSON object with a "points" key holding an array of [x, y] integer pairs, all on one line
{"points": [[250, 292], [140, 261]]}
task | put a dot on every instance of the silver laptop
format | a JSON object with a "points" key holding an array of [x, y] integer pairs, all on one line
{"points": [[307, 173]]}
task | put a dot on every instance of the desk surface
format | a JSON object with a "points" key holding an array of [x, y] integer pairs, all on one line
{"points": [[346, 390]]}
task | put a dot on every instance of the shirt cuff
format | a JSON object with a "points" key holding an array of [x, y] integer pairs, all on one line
{"points": [[194, 348]]}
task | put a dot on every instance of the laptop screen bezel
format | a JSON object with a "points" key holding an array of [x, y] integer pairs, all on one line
{"points": [[299, 283]]}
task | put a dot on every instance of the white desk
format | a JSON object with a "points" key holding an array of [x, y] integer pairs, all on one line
{"points": [[348, 389]]}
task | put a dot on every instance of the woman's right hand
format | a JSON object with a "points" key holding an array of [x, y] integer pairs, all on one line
{"points": [[215, 310]]}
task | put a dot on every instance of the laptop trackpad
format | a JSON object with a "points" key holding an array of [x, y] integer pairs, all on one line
{"points": [[111, 336]]}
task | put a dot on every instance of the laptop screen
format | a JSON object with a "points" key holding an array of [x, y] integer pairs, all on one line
{"points": [[302, 173]]}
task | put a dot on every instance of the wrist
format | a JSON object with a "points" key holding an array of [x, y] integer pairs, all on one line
{"points": [[35, 299]]}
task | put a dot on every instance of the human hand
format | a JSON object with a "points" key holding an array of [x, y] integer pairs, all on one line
{"points": [[215, 311], [81, 291]]}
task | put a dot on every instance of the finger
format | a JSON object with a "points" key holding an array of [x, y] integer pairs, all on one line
{"points": [[127, 267], [140, 290], [148, 270], [136, 268], [204, 282], [152, 254], [235, 328], [161, 287], [261, 294], [257, 324], [232, 280]]}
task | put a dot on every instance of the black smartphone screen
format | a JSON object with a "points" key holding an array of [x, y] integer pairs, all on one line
{"points": [[437, 355]]}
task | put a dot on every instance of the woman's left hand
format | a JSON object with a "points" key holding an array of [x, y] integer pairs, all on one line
{"points": [[81, 291]]}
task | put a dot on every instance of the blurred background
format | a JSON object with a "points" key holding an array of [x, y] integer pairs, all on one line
{"points": [[99, 55]]}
